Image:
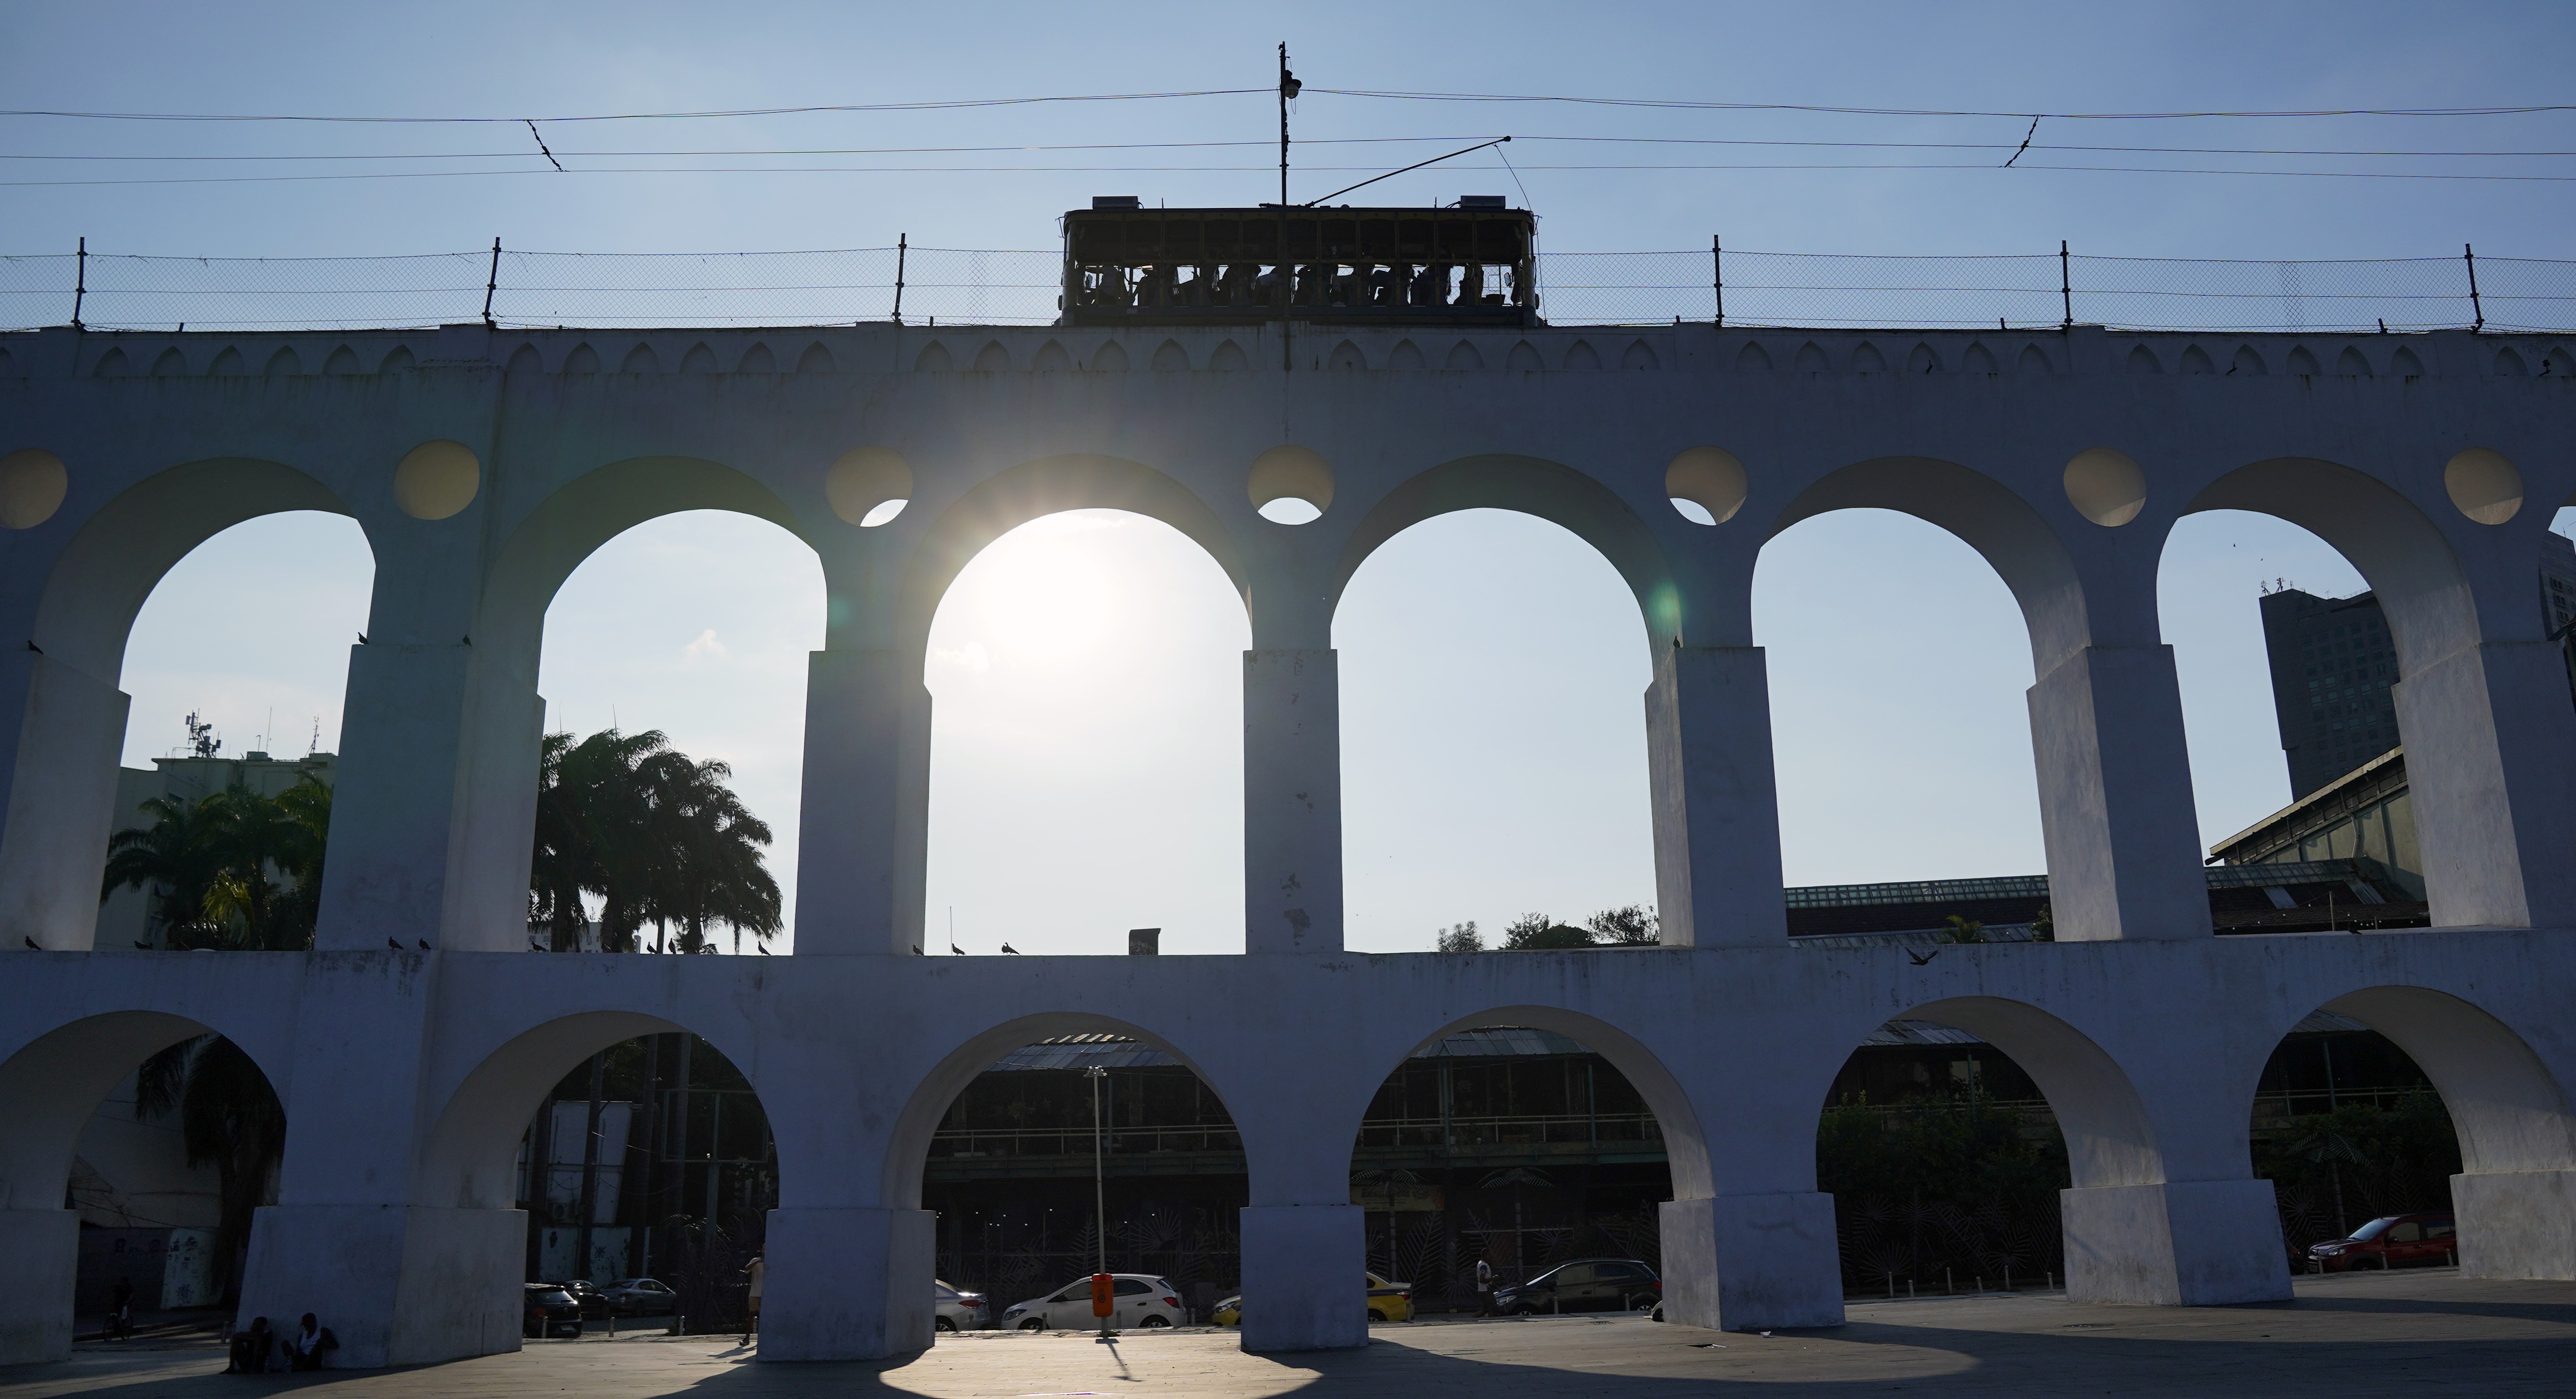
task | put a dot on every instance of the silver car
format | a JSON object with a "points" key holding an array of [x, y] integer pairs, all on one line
{"points": [[953, 1310], [1142, 1301]]}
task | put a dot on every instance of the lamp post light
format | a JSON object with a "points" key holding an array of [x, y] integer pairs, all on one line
{"points": [[1103, 1287]]}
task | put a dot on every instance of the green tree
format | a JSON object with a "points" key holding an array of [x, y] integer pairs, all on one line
{"points": [[1462, 938], [1961, 928], [1536, 932], [652, 835], [232, 871], [1633, 925]]}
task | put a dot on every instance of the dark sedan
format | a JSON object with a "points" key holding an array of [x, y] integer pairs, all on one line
{"points": [[1585, 1285], [549, 1311]]}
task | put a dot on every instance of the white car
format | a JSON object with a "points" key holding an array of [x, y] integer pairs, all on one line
{"points": [[952, 1310], [640, 1297], [1142, 1301]]}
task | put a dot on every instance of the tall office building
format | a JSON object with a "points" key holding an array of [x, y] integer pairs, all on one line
{"points": [[2333, 663]]}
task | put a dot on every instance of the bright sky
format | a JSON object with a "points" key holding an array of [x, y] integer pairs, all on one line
{"points": [[1087, 752]]}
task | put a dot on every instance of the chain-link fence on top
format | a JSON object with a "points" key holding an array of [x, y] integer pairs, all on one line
{"points": [[1021, 287]]}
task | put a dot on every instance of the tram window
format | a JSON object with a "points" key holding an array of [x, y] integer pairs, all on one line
{"points": [[1144, 239], [1341, 235], [1497, 241], [1458, 238], [1413, 238], [1096, 242], [1181, 239], [1301, 238], [1221, 235], [1377, 237]]}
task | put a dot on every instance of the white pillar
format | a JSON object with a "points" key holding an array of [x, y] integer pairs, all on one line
{"points": [[39, 1257], [1292, 801], [2200, 1243], [2491, 765], [1752, 1262], [2115, 799], [863, 821], [2516, 1224], [62, 801], [1302, 1266], [1716, 799], [847, 1284]]}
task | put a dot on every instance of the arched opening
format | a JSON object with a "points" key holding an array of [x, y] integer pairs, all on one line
{"points": [[613, 1155], [1493, 767], [140, 1145], [1945, 1162], [2475, 768], [2406, 1127], [236, 583], [1086, 731], [237, 668], [1054, 1145], [1518, 1162], [1899, 661], [2288, 669], [673, 667]]}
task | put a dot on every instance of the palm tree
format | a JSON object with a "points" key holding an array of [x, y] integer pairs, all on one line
{"points": [[232, 870], [656, 837], [229, 1118]]}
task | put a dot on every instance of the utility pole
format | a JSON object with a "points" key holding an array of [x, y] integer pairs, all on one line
{"points": [[589, 1168], [1099, 1169], [1286, 285]]}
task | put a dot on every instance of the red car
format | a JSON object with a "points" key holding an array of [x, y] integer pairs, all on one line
{"points": [[2397, 1241]]}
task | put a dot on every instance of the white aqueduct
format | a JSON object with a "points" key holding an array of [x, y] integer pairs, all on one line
{"points": [[484, 466]]}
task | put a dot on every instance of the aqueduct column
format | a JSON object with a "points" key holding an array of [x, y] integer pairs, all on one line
{"points": [[1292, 801], [62, 799], [2491, 762], [864, 819], [1716, 800], [2115, 801]]}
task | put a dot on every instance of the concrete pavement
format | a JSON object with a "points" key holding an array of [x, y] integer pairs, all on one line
{"points": [[2362, 1334]]}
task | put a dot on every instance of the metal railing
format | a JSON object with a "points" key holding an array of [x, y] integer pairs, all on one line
{"points": [[1022, 287], [1570, 1129], [987, 1142]]}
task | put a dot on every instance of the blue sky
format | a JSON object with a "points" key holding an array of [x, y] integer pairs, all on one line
{"points": [[1087, 778]]}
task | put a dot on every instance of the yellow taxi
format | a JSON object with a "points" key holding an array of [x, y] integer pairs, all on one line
{"points": [[1387, 1301]]}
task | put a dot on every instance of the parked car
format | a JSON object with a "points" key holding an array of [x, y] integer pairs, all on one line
{"points": [[1585, 1285], [640, 1297], [953, 1310], [1141, 1300], [586, 1293], [1387, 1301], [548, 1310], [2397, 1241]]}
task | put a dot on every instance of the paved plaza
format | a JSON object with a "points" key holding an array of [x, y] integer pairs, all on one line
{"points": [[2364, 1334]]}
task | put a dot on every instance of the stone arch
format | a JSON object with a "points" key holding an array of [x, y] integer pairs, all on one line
{"points": [[1582, 356], [1052, 358], [286, 365], [2034, 360], [933, 359], [2405, 365], [699, 360], [641, 360], [2509, 365], [342, 361], [1867, 360], [1463, 355], [1405, 355], [1111, 358], [401, 359], [2195, 360], [1639, 355], [1170, 358], [50, 1087], [524, 360], [2248, 362], [111, 365], [1523, 359], [1753, 359], [759, 360], [2516, 1132], [1978, 359], [2404, 557], [908, 1144], [227, 365], [171, 365], [1005, 501], [1989, 517], [2143, 361], [582, 360], [992, 359], [817, 359], [1533, 486], [1810, 360], [2351, 364], [1229, 358], [2511, 1112], [2303, 363], [569, 524], [2111, 1138], [1346, 355], [1694, 1176]]}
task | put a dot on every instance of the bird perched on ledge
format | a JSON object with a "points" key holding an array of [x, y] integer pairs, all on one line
{"points": [[1006, 947], [396, 946]]}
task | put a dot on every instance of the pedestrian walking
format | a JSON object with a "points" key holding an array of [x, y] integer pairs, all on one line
{"points": [[1484, 1288], [755, 1270], [120, 1310]]}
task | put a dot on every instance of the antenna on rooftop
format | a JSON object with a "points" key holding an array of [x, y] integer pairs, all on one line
{"points": [[201, 740]]}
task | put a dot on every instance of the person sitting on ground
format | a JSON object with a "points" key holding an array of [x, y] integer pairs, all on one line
{"points": [[251, 1348], [304, 1349]]}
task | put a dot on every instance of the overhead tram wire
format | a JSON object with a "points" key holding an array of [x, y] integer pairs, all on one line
{"points": [[1674, 104], [629, 116], [1243, 169]]}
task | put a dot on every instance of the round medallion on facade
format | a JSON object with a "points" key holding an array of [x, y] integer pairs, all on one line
{"points": [[32, 483], [1290, 485], [2105, 486], [1706, 484], [436, 479], [2485, 485], [869, 486]]}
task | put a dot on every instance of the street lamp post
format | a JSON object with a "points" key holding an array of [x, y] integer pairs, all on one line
{"points": [[1101, 1306]]}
